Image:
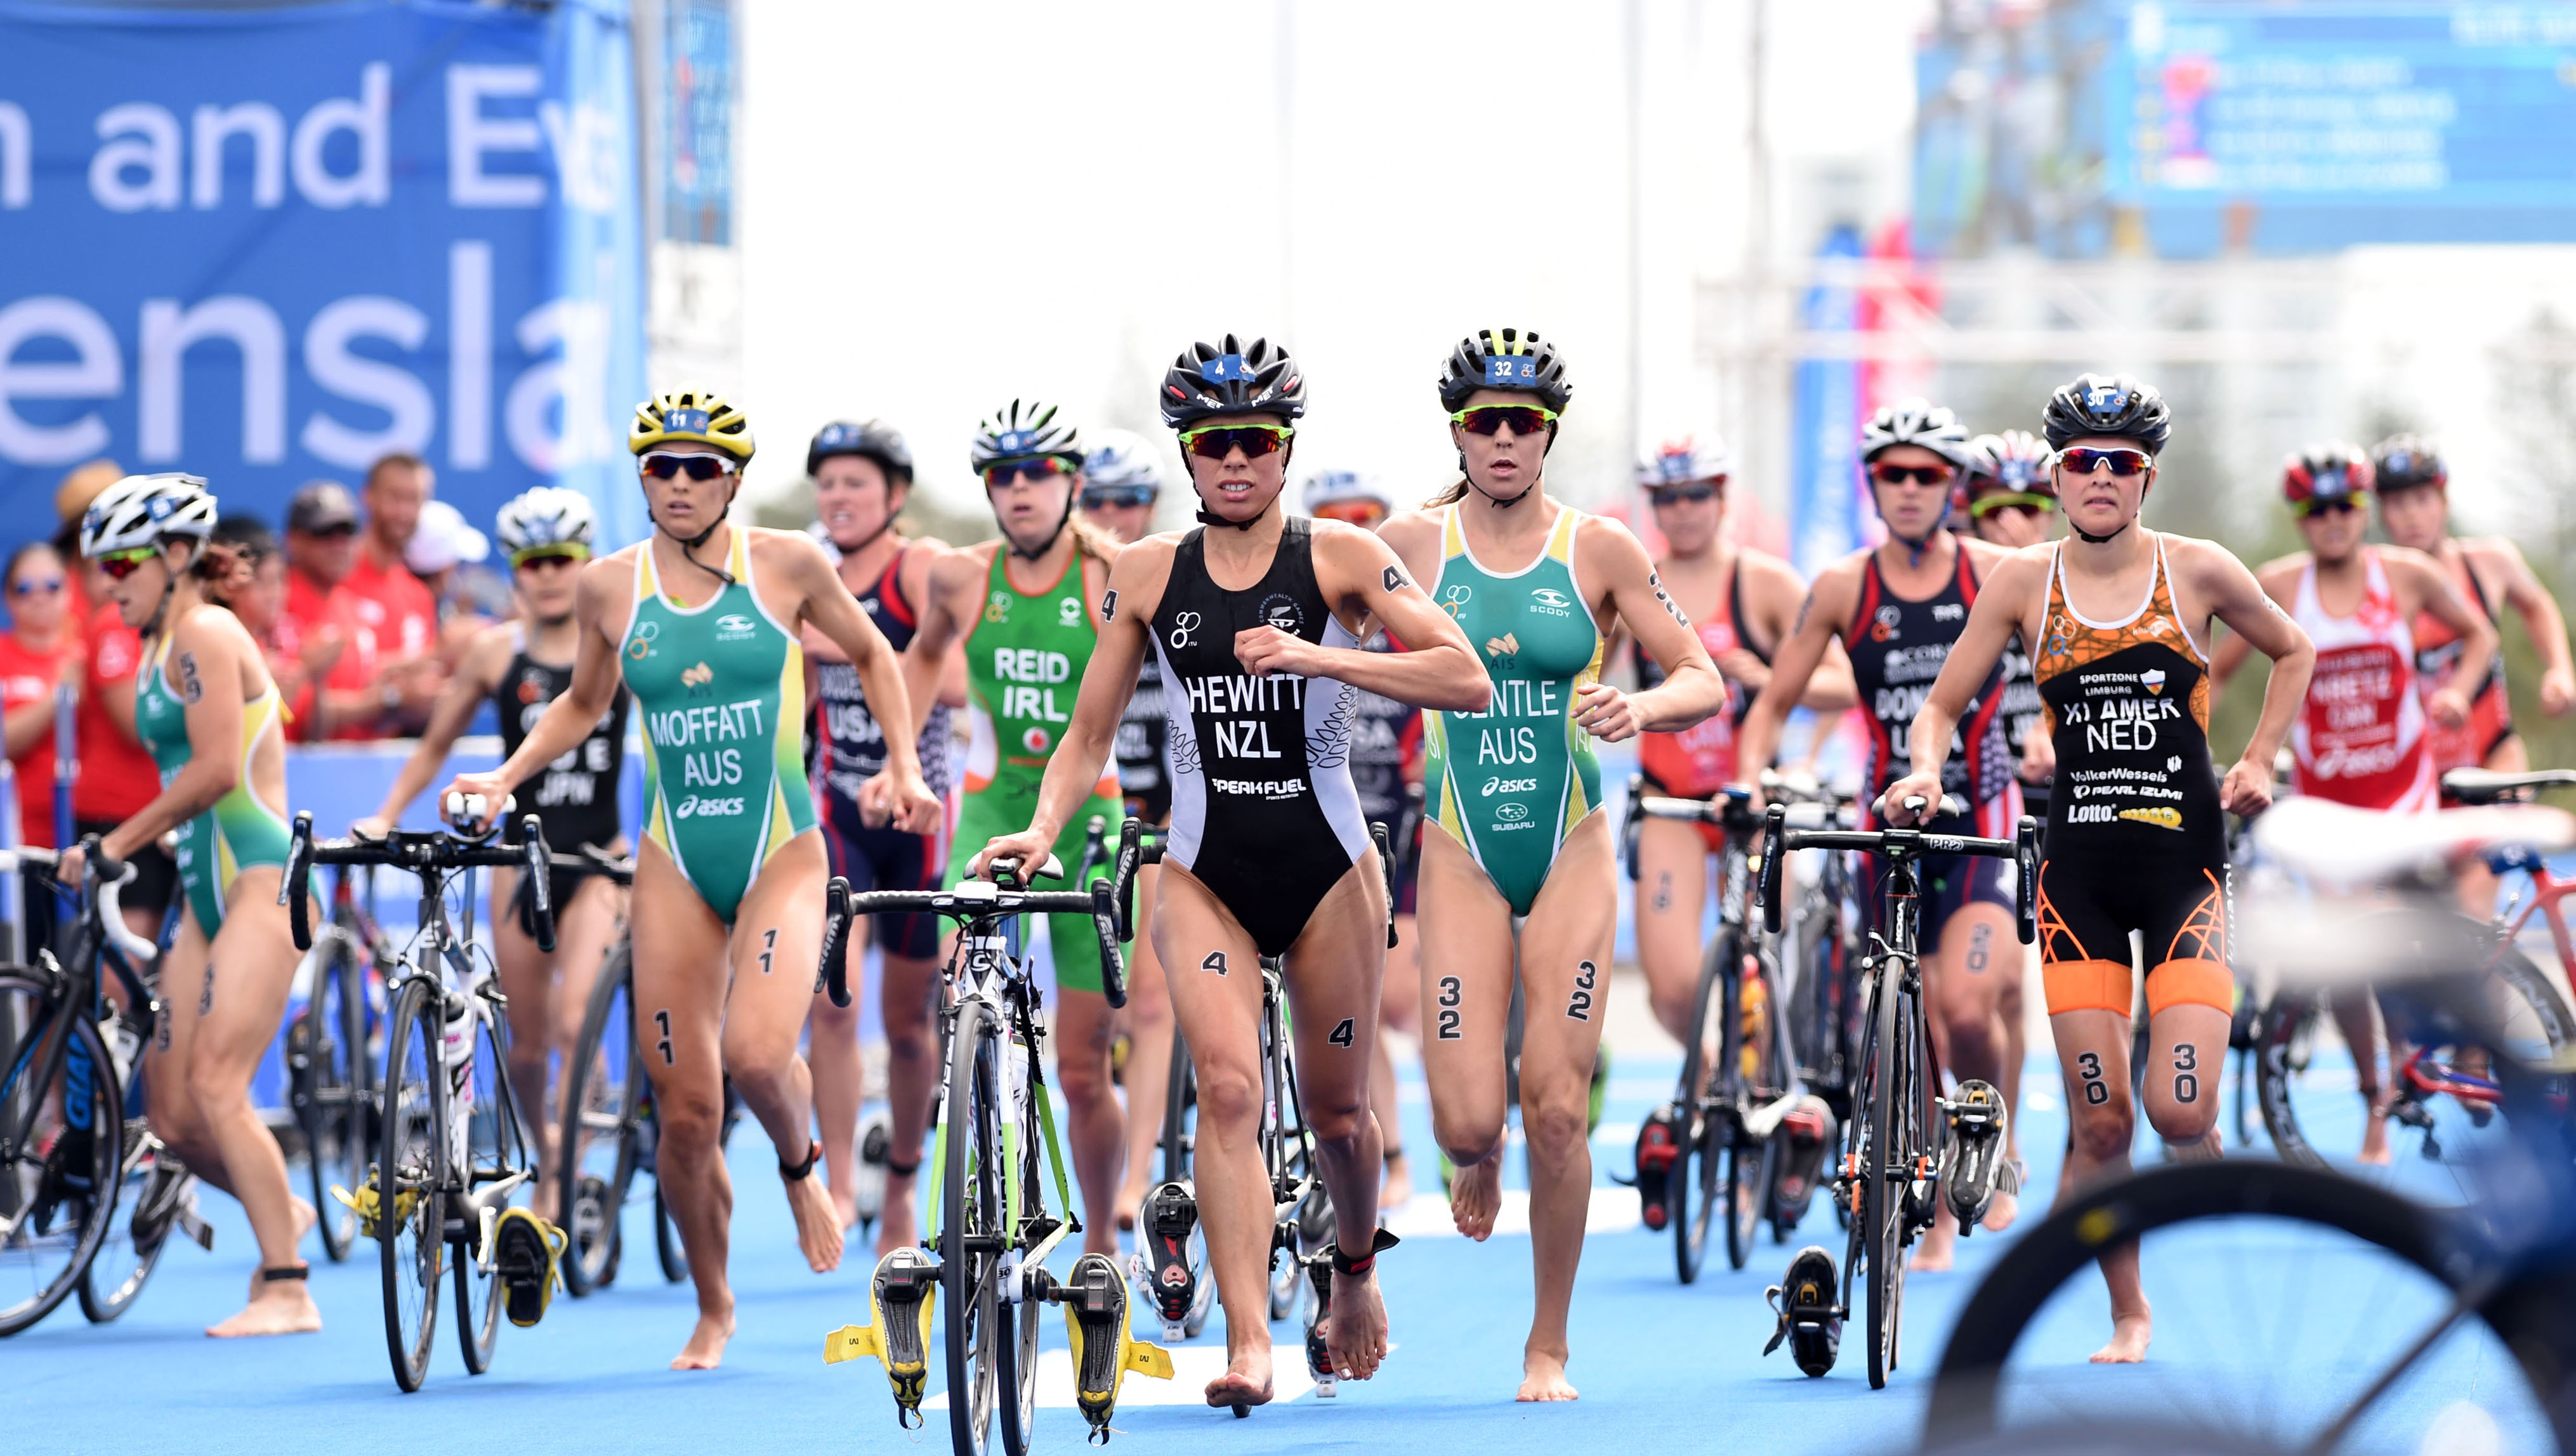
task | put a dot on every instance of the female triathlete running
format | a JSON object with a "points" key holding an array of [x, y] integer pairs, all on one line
{"points": [[522, 667], [206, 707], [1257, 620], [1742, 602], [1122, 481], [1897, 608], [2136, 840], [1386, 771], [727, 919], [1519, 874], [862, 476], [2363, 734], [1017, 603]]}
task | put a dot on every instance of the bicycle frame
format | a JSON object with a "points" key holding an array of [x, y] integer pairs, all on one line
{"points": [[987, 969], [91, 943]]}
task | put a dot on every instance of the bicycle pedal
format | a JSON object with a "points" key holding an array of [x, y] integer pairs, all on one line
{"points": [[1659, 1147], [192, 1223], [364, 1203], [902, 1298], [1104, 1351], [1170, 1216], [1973, 1162], [527, 1255], [1809, 1322], [1319, 1354], [876, 1144]]}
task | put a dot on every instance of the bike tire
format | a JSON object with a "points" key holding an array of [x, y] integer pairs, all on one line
{"points": [[39, 1269], [411, 1158], [329, 1088], [129, 1253], [1750, 1167], [489, 1157], [1690, 1191], [970, 1212], [1016, 1374], [668, 1251], [1882, 1210], [601, 1107]]}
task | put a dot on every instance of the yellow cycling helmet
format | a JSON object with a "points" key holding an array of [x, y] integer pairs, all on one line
{"points": [[691, 413]]}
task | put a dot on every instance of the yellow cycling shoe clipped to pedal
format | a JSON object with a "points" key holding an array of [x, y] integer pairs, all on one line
{"points": [[527, 1253], [901, 1298], [1095, 1321], [363, 1204]]}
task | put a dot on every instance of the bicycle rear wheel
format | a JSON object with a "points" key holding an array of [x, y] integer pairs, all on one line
{"points": [[150, 1183], [411, 1181], [491, 1155], [57, 1188], [602, 1138], [1752, 1079], [1693, 1189], [328, 1085], [970, 1229]]}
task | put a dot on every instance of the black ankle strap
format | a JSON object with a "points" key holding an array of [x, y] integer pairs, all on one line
{"points": [[1365, 1262], [903, 1170], [296, 1273], [799, 1172]]}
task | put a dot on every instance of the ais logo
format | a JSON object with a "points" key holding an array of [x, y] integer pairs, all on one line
{"points": [[697, 678], [1504, 646]]}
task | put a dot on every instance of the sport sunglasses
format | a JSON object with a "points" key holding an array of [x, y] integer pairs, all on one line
{"points": [[1215, 442], [551, 556], [2085, 459], [1485, 419], [1041, 468], [2333, 506], [118, 565], [2011, 500], [1673, 495], [1919, 474], [1112, 497], [664, 466], [1350, 512]]}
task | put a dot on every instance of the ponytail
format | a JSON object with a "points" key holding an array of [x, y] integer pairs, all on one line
{"points": [[1447, 495], [223, 570]]}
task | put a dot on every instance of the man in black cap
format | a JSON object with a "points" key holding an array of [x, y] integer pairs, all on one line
{"points": [[320, 618]]}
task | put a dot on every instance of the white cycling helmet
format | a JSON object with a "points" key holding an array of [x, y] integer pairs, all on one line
{"points": [[544, 518], [1683, 459], [1328, 487], [1915, 421], [1120, 459], [143, 510]]}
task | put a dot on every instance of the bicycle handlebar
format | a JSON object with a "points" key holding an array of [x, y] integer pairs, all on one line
{"points": [[106, 875], [971, 900], [422, 854], [2022, 849]]}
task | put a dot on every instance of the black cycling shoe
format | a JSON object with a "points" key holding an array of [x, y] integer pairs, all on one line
{"points": [[1975, 1165], [1810, 1128], [1810, 1320], [1659, 1147], [1170, 1215]]}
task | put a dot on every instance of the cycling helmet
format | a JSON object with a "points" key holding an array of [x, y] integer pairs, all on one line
{"points": [[2403, 461], [1915, 421], [545, 518], [1505, 359], [2107, 406], [691, 412], [2323, 473], [1123, 459], [145, 510], [1023, 431], [1232, 379], [2010, 469], [1683, 459], [876, 440], [1328, 487]]}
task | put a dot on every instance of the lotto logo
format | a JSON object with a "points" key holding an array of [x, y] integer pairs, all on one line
{"points": [[2089, 814]]}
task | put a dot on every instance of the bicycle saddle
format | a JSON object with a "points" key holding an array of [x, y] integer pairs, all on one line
{"points": [[2350, 847]]}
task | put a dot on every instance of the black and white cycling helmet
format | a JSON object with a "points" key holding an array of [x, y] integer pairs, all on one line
{"points": [[1514, 359], [872, 440], [546, 518], [1331, 487], [2402, 462], [1917, 422], [1122, 460], [2107, 407], [144, 510], [1683, 459], [1025, 430], [1231, 378]]}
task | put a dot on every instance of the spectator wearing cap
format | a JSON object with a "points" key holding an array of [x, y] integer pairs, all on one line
{"points": [[297, 665], [319, 625], [442, 551]]}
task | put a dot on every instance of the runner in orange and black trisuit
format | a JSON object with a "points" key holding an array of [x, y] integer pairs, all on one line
{"points": [[2136, 838]]}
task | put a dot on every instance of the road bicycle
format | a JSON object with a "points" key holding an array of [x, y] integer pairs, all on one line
{"points": [[1896, 1147], [451, 1154], [331, 1047], [1823, 993], [1739, 1074], [75, 1145], [2333, 1314], [980, 1271]]}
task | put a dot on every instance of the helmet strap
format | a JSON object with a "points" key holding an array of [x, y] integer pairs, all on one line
{"points": [[2090, 539], [689, 544]]}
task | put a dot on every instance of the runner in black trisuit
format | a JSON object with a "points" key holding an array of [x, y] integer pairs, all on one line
{"points": [[2136, 842]]}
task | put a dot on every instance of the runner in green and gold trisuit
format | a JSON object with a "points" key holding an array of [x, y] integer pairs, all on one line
{"points": [[701, 620], [1024, 605], [1518, 873]]}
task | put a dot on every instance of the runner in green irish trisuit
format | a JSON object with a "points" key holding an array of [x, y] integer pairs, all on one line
{"points": [[702, 621], [1019, 601], [1514, 843]]}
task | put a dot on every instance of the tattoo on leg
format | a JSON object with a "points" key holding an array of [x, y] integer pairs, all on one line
{"points": [[1451, 993], [1343, 1035], [2088, 1066], [206, 998], [1663, 899], [1981, 944], [768, 948], [1580, 1008]]}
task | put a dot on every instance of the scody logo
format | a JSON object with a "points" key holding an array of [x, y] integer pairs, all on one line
{"points": [[733, 627], [1551, 601]]}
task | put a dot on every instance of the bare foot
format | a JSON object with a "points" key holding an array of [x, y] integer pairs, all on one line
{"points": [[1357, 1339], [1246, 1380], [2128, 1339], [2374, 1134], [896, 1228], [2001, 1213], [1933, 1255], [305, 1217], [1476, 1196], [705, 1349], [1127, 1206], [845, 1203], [1543, 1377], [1396, 1189], [818, 1227], [282, 1308]]}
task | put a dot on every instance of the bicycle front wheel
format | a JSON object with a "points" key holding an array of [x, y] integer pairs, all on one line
{"points": [[1885, 1154], [491, 1154], [1753, 1079], [328, 1083], [63, 1144], [602, 1136], [970, 1228], [1023, 1150], [150, 1185], [410, 1180], [1693, 1190]]}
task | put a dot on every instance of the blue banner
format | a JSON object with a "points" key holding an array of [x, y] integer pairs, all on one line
{"points": [[1824, 466], [269, 246]]}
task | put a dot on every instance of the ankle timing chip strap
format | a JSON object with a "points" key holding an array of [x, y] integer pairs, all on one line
{"points": [[1344, 1264], [799, 1172]]}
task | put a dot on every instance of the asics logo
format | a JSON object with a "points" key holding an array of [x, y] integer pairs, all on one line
{"points": [[1500, 785], [695, 807]]}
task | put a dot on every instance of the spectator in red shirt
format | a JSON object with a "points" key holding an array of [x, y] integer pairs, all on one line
{"points": [[39, 651], [391, 602], [321, 622], [297, 665]]}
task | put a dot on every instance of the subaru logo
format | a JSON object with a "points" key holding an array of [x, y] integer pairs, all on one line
{"points": [[1511, 811]]}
